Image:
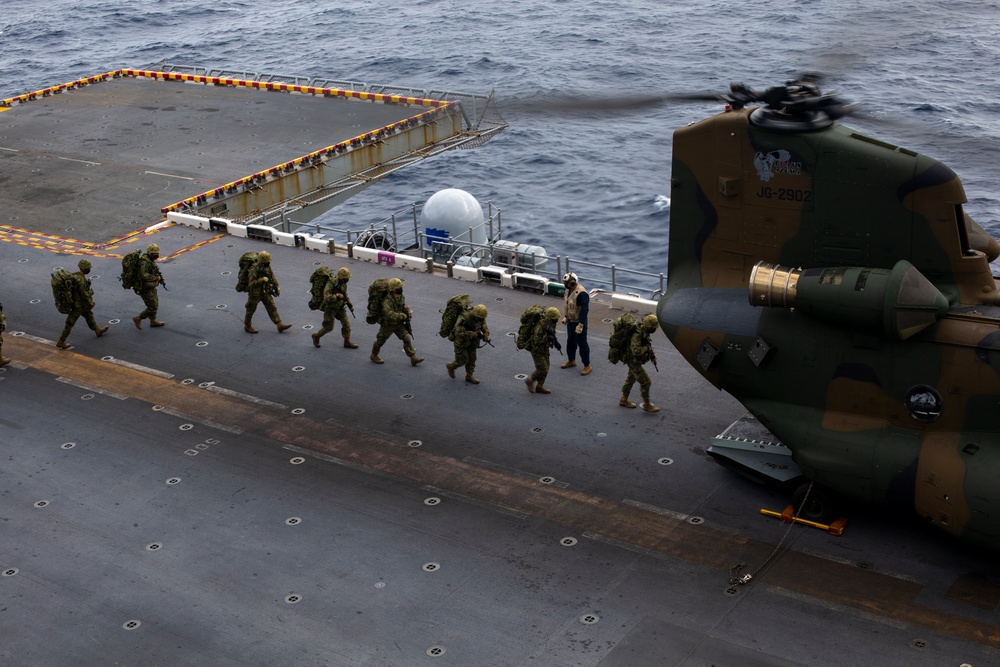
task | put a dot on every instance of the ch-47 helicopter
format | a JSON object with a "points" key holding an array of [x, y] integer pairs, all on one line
{"points": [[832, 283]]}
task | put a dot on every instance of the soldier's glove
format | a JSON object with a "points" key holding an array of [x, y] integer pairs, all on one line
{"points": [[579, 328]]}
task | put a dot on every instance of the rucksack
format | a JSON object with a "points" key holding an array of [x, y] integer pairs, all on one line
{"points": [[529, 319], [63, 292], [377, 292], [130, 270], [319, 278], [246, 263], [457, 305], [621, 338]]}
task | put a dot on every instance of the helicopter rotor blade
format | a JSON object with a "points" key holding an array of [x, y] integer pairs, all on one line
{"points": [[563, 104]]}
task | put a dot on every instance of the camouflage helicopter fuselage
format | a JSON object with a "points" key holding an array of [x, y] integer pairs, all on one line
{"points": [[832, 284]]}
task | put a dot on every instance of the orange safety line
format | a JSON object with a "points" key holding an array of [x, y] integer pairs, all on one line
{"points": [[131, 237]]}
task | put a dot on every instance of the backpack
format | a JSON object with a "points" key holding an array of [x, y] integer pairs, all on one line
{"points": [[621, 338], [458, 304], [377, 292], [63, 292], [130, 278], [319, 278], [246, 262], [529, 319]]}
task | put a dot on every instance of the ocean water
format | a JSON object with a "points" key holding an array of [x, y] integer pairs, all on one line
{"points": [[595, 185]]}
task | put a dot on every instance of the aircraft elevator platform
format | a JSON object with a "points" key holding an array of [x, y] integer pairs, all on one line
{"points": [[236, 145]]}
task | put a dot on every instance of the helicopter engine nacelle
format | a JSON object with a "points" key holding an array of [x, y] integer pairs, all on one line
{"points": [[898, 303]]}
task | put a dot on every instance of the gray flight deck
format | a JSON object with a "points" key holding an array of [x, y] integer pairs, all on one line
{"points": [[195, 495]]}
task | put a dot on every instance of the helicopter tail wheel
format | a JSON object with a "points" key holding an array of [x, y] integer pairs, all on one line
{"points": [[821, 505]]}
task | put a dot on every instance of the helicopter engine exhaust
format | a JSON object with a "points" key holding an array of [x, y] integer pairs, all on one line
{"points": [[899, 302]]}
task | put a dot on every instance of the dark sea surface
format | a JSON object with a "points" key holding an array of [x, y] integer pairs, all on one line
{"points": [[595, 185]]}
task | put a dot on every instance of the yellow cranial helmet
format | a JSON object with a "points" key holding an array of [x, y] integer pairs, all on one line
{"points": [[479, 312], [552, 313], [344, 274]]}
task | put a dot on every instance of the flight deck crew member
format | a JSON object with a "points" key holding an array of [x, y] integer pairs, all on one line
{"points": [[149, 278], [335, 305], [262, 286], [83, 304], [394, 318], [3, 327], [576, 307], [470, 328], [640, 350], [543, 337]]}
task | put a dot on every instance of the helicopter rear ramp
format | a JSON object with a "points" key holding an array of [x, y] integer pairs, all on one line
{"points": [[164, 139]]}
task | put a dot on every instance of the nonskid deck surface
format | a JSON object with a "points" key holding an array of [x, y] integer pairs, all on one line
{"points": [[101, 161], [197, 495]]}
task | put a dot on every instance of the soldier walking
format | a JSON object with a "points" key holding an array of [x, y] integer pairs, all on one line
{"points": [[262, 286], [149, 278], [83, 304], [335, 305], [640, 350], [469, 330], [3, 327], [395, 319], [543, 337]]}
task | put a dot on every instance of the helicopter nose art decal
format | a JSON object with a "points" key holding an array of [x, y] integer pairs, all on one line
{"points": [[775, 162]]}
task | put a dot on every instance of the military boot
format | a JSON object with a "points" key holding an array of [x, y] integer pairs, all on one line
{"points": [[586, 370], [249, 329], [315, 338], [63, 345], [625, 403], [157, 323], [348, 344], [542, 390], [4, 361], [100, 332], [414, 360], [567, 364], [138, 322], [471, 379], [531, 384], [649, 407], [374, 355], [451, 370], [283, 327]]}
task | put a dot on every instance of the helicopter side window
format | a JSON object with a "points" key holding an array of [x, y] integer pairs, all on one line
{"points": [[963, 232]]}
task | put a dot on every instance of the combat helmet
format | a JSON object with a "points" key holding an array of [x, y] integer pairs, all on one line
{"points": [[264, 257], [552, 313], [153, 249], [479, 312], [84, 264], [344, 274], [649, 323], [395, 285]]}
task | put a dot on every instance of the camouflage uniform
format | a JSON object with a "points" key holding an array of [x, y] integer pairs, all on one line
{"points": [[149, 278], [83, 304], [394, 317], [640, 350], [543, 337], [262, 286], [3, 327], [470, 328], [335, 305]]}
